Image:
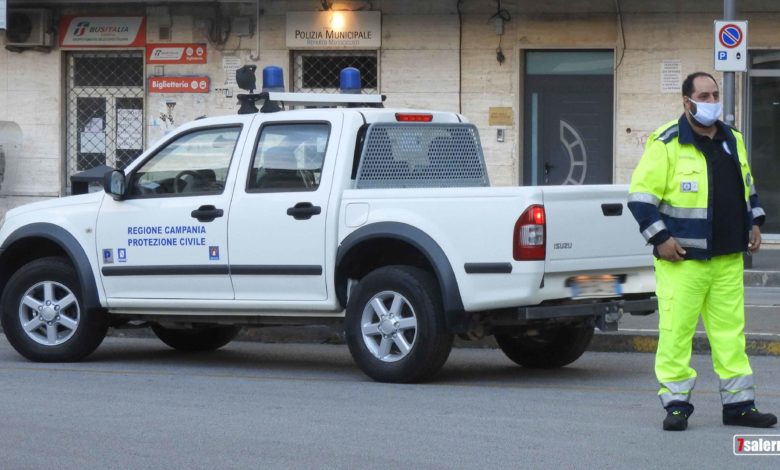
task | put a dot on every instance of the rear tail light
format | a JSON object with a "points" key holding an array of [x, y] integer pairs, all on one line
{"points": [[530, 238], [413, 117]]}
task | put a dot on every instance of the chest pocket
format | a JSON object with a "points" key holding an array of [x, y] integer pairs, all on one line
{"points": [[689, 184]]}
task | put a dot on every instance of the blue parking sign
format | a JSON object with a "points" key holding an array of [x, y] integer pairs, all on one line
{"points": [[722, 55]]}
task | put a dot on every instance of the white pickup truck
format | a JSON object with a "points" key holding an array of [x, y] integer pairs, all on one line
{"points": [[377, 218]]}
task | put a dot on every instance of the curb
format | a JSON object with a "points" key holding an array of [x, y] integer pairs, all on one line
{"points": [[762, 278], [755, 345]]}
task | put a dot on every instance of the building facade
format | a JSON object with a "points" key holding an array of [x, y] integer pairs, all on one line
{"points": [[562, 92]]}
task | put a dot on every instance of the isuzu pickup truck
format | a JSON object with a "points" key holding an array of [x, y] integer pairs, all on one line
{"points": [[380, 219]]}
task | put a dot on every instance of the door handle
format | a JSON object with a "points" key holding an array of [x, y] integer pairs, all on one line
{"points": [[207, 213], [303, 211], [611, 210], [547, 168]]}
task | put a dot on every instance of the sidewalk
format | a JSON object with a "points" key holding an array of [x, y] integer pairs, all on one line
{"points": [[762, 328], [762, 315], [765, 267]]}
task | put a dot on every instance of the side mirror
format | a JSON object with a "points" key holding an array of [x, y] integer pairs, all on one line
{"points": [[114, 184]]}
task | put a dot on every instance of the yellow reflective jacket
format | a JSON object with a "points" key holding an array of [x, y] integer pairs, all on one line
{"points": [[669, 193]]}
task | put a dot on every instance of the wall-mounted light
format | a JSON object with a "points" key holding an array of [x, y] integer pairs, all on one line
{"points": [[337, 21]]}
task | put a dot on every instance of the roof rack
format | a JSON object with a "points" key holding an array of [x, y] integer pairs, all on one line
{"points": [[274, 97], [274, 100]]}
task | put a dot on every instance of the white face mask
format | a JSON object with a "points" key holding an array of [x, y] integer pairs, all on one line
{"points": [[706, 113]]}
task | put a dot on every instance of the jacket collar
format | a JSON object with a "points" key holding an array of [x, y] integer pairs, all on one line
{"points": [[687, 136]]}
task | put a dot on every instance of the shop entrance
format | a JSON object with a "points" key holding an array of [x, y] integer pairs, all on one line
{"points": [[105, 110]]}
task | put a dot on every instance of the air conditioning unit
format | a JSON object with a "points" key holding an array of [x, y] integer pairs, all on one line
{"points": [[28, 27]]}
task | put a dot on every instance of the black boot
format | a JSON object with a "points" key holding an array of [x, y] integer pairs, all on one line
{"points": [[746, 414], [677, 413]]}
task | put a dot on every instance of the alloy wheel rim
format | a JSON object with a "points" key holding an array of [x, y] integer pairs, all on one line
{"points": [[49, 313], [389, 326]]}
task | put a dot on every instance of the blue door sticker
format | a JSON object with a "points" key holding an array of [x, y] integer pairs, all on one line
{"points": [[108, 256], [214, 253]]}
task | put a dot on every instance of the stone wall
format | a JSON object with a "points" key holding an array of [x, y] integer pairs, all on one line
{"points": [[420, 67]]}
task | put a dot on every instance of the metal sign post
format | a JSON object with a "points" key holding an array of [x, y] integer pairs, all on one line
{"points": [[731, 37], [729, 12]]}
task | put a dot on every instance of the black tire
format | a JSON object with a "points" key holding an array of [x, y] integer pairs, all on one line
{"points": [[552, 348], [60, 329], [412, 343], [208, 338]]}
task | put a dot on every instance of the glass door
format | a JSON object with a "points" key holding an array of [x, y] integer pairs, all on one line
{"points": [[763, 115], [568, 108]]}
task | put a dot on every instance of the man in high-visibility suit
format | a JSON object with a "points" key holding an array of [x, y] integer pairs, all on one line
{"points": [[694, 198]]}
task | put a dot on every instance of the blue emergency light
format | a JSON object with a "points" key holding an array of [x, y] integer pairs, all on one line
{"points": [[273, 78], [349, 80], [274, 97]]}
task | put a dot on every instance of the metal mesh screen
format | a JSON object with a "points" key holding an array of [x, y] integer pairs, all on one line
{"points": [[318, 71], [105, 102], [421, 156]]}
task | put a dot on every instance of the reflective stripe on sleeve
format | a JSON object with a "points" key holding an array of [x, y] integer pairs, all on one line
{"points": [[758, 212], [644, 197], [692, 242], [653, 230], [668, 134], [752, 189], [682, 212]]}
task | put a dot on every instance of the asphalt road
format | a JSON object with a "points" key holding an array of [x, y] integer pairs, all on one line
{"points": [[137, 404]]}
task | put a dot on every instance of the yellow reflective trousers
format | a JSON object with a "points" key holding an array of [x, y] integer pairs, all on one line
{"points": [[715, 289]]}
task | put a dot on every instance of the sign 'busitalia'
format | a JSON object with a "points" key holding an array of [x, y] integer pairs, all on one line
{"points": [[102, 31]]}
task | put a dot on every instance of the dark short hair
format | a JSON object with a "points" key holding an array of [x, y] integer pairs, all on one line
{"points": [[687, 85]]}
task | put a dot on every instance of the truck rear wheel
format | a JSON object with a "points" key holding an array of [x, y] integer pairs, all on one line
{"points": [[207, 338], [44, 317], [550, 349], [395, 325]]}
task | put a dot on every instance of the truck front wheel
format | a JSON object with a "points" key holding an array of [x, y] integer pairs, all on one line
{"points": [[44, 317], [550, 349], [395, 327]]}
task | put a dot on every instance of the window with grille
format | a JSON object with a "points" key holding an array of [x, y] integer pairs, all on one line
{"points": [[318, 71], [105, 105]]}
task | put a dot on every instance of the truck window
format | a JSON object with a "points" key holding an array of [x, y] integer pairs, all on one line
{"points": [[194, 163], [289, 157]]}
